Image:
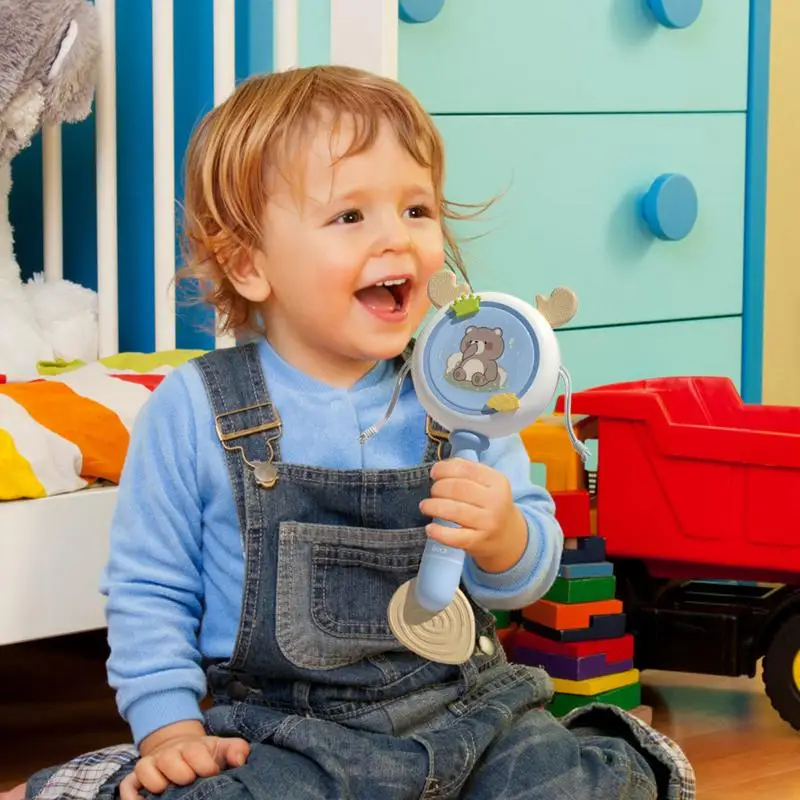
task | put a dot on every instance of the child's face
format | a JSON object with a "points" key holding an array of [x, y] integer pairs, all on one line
{"points": [[369, 219]]}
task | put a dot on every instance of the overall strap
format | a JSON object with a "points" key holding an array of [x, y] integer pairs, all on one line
{"points": [[438, 444], [247, 423]]}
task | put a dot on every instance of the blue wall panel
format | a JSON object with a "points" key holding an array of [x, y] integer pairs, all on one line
{"points": [[80, 203], [134, 171], [25, 208], [256, 16], [194, 96]]}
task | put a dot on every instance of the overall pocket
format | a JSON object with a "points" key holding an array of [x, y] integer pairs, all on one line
{"points": [[334, 588]]}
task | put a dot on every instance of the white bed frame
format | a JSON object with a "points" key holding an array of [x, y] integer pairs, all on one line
{"points": [[53, 550]]}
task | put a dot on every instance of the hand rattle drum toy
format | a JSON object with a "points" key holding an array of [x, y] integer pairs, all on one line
{"points": [[483, 366]]}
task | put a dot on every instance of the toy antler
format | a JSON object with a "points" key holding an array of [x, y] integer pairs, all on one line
{"points": [[443, 288], [559, 308]]}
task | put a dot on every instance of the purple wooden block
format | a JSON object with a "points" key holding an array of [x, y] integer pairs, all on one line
{"points": [[572, 669]]}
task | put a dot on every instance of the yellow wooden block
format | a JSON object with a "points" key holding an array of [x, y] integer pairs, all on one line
{"points": [[546, 442], [592, 686]]}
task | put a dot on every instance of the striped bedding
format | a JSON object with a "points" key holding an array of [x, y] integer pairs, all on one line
{"points": [[71, 427]]}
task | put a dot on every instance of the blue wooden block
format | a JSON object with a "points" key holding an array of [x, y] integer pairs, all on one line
{"points": [[590, 549], [598, 569]]}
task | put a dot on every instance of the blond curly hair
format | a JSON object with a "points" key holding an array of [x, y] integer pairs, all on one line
{"points": [[261, 126]]}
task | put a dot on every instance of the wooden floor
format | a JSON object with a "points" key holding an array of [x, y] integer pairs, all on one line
{"points": [[54, 703]]}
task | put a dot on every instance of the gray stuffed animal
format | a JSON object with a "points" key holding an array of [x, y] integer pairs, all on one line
{"points": [[49, 51], [48, 59]]}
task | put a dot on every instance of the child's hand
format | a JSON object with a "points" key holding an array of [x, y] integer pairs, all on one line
{"points": [[181, 759], [478, 498]]}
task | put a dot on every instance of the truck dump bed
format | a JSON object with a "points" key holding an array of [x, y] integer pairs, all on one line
{"points": [[695, 482]]}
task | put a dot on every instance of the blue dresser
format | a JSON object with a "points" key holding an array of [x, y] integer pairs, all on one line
{"points": [[619, 140]]}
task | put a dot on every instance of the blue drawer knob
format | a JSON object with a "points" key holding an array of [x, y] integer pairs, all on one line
{"points": [[419, 10], [669, 207], [676, 13]]}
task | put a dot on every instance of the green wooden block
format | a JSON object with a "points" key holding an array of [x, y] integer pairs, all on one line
{"points": [[503, 618], [626, 697], [582, 590]]}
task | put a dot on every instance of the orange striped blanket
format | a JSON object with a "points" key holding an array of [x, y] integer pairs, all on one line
{"points": [[72, 426]]}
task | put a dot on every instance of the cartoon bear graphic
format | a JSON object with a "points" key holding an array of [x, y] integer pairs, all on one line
{"points": [[480, 350]]}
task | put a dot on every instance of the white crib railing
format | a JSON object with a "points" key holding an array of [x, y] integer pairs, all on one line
{"points": [[53, 211], [285, 35], [224, 72], [106, 167], [363, 33], [164, 173], [224, 49]]}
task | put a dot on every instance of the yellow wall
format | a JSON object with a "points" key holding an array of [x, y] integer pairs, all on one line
{"points": [[782, 272]]}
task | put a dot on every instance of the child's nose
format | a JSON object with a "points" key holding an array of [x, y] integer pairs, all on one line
{"points": [[393, 235]]}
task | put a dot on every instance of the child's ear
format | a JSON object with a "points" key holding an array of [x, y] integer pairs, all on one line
{"points": [[247, 272]]}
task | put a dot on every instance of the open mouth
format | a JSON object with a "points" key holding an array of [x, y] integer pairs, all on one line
{"points": [[387, 299]]}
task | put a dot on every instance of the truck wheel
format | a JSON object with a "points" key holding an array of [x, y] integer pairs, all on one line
{"points": [[782, 672]]}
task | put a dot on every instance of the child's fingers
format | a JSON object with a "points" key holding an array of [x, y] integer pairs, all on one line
{"points": [[129, 788], [17, 793], [234, 751], [461, 468], [151, 775], [463, 514], [172, 765], [200, 759], [462, 538], [464, 491]]}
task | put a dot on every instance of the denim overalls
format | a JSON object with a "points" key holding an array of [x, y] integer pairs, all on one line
{"points": [[316, 676], [332, 704]]}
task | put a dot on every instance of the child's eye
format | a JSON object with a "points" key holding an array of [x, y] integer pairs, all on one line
{"points": [[349, 217], [418, 212]]}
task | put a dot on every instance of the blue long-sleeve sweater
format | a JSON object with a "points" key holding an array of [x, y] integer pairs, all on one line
{"points": [[174, 577]]}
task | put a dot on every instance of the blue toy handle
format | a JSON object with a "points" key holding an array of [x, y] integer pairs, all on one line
{"points": [[441, 566]]}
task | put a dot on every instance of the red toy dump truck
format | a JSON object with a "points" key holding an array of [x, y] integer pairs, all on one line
{"points": [[697, 496]]}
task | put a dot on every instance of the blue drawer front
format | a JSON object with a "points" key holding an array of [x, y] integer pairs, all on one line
{"points": [[571, 210], [575, 55], [633, 352]]}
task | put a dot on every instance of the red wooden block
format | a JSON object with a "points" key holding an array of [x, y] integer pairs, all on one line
{"points": [[572, 512], [507, 637], [619, 649]]}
